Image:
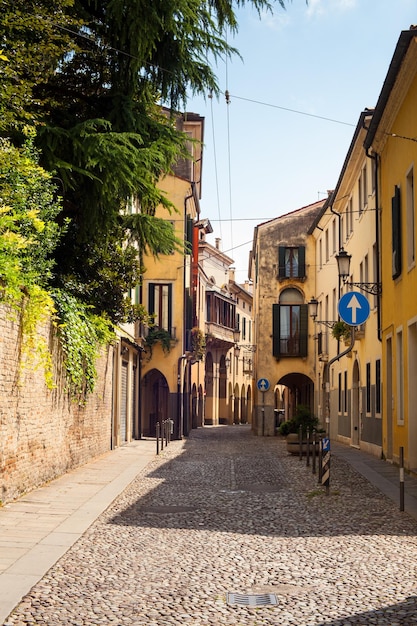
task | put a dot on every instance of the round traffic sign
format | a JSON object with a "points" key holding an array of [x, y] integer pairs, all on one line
{"points": [[354, 308], [263, 384]]}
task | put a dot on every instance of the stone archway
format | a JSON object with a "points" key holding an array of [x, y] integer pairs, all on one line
{"points": [[155, 401], [294, 389]]}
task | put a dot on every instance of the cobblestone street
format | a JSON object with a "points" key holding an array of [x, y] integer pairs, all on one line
{"points": [[225, 512]]}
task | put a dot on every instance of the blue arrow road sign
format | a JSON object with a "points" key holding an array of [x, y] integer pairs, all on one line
{"points": [[354, 308], [263, 384]]}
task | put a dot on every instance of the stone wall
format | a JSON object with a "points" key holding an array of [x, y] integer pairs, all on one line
{"points": [[43, 434]]}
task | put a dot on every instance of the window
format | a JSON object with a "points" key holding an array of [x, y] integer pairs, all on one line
{"points": [[400, 378], [340, 392], [291, 262], [363, 190], [368, 388], [350, 213], [345, 392], [396, 233], [411, 220], [160, 305], [290, 318], [378, 386]]}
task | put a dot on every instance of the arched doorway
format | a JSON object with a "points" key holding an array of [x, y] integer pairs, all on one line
{"points": [[209, 401], [200, 416], [249, 405], [243, 408], [155, 401], [222, 391], [194, 421], [236, 405], [355, 405]]}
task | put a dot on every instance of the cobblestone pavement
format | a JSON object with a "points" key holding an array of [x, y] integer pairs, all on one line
{"points": [[226, 512]]}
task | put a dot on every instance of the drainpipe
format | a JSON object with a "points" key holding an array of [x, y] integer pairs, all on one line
{"points": [[326, 378], [375, 158], [180, 407]]}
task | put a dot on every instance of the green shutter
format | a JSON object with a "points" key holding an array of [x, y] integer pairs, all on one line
{"points": [[189, 235], [301, 262], [396, 233], [276, 330], [281, 261], [303, 329], [170, 308], [151, 298]]}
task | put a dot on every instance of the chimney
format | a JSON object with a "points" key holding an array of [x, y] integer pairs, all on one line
{"points": [[217, 240]]}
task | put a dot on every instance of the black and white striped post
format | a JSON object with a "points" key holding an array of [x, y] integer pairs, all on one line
{"points": [[325, 459]]}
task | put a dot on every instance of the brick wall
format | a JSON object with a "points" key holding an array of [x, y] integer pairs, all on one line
{"points": [[42, 433]]}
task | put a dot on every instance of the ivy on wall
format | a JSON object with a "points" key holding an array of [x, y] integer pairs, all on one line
{"points": [[82, 334]]}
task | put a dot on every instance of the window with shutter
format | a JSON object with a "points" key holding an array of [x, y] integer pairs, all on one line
{"points": [[290, 325], [160, 305], [291, 262], [396, 233]]}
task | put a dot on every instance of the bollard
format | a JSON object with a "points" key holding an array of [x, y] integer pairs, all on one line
{"points": [[314, 452], [157, 437], [300, 441], [162, 434], [308, 447], [320, 460], [325, 479], [401, 478]]}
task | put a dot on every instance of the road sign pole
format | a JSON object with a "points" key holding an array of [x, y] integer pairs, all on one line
{"points": [[263, 413]]}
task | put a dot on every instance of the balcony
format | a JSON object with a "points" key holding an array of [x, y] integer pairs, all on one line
{"points": [[220, 336]]}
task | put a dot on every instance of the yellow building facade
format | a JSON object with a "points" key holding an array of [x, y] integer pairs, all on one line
{"points": [[348, 375], [391, 139]]}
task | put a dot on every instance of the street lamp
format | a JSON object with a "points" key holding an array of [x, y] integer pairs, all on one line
{"points": [[343, 268]]}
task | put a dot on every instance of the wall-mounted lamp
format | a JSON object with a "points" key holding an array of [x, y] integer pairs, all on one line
{"points": [[313, 306], [343, 268]]}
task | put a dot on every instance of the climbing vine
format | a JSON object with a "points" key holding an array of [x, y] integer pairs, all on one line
{"points": [[82, 334]]}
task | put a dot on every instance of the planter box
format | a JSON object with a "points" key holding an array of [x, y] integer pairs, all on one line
{"points": [[293, 445]]}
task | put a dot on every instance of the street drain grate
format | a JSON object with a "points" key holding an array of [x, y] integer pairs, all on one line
{"points": [[251, 599]]}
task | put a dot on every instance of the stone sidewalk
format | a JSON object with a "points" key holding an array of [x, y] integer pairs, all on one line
{"points": [[225, 528]]}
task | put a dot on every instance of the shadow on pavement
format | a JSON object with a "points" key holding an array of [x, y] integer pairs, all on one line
{"points": [[404, 613], [227, 480]]}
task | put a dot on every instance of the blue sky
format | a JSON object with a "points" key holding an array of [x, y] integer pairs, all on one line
{"points": [[269, 151]]}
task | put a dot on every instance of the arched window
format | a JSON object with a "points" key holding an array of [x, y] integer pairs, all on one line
{"points": [[290, 318]]}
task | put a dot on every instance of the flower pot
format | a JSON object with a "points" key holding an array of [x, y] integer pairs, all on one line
{"points": [[293, 445]]}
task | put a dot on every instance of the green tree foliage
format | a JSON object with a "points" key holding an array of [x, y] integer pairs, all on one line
{"points": [[30, 50], [28, 236], [89, 74], [29, 231]]}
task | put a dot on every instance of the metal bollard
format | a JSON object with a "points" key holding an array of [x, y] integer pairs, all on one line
{"points": [[300, 441], [320, 460], [401, 478], [162, 434], [314, 452], [157, 437], [308, 447]]}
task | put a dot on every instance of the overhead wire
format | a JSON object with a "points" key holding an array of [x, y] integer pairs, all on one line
{"points": [[229, 150], [216, 174]]}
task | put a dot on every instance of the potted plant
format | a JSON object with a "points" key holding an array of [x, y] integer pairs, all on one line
{"points": [[160, 335], [341, 331], [198, 343], [290, 429]]}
